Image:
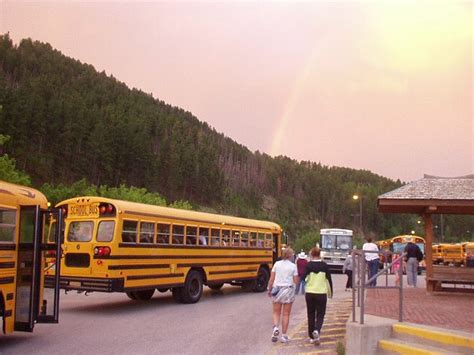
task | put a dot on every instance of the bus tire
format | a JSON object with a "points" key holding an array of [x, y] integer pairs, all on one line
{"points": [[162, 290], [177, 294], [2, 313], [216, 287], [192, 290], [261, 283], [131, 295], [144, 295]]}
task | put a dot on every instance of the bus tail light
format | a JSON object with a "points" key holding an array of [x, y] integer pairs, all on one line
{"points": [[51, 254], [101, 251]]}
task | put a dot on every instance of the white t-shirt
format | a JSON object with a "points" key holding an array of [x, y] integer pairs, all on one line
{"points": [[284, 271], [370, 247]]}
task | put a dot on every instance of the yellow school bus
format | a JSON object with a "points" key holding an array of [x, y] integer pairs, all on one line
{"points": [[25, 299], [452, 253], [437, 253], [119, 246]]}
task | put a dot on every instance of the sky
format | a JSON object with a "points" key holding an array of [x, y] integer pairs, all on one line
{"points": [[385, 86]]}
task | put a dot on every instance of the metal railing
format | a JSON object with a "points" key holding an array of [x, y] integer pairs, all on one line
{"points": [[360, 281]]}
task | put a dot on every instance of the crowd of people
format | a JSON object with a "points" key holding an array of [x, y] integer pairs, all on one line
{"points": [[310, 276]]}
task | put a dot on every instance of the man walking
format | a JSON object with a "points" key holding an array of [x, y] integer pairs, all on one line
{"points": [[413, 257], [372, 258]]}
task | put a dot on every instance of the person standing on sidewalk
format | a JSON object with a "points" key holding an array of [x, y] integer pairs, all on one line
{"points": [[372, 258], [413, 257], [347, 269], [281, 288], [318, 289], [301, 263]]}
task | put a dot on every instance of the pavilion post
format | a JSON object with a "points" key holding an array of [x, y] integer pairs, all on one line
{"points": [[429, 251]]}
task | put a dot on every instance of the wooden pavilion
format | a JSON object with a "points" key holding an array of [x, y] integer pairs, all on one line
{"points": [[428, 196]]}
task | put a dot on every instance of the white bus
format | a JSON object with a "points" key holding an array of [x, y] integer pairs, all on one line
{"points": [[336, 244]]}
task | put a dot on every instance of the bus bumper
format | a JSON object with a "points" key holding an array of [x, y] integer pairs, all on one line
{"points": [[88, 283], [335, 267]]}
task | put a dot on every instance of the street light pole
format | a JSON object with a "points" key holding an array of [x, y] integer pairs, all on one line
{"points": [[359, 197]]}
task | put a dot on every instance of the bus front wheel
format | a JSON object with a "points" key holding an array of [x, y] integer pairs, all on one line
{"points": [[192, 290], [131, 295], [144, 295]]}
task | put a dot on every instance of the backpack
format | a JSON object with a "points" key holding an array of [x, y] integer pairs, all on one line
{"points": [[419, 254]]}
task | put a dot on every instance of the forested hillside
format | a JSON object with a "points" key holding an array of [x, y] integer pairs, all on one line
{"points": [[68, 122]]}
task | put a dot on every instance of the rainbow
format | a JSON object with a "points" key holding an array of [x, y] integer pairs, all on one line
{"points": [[295, 93]]}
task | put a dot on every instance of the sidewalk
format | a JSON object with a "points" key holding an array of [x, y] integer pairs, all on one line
{"points": [[441, 309], [333, 332]]}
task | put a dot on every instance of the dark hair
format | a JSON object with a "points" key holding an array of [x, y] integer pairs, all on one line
{"points": [[315, 252], [369, 240]]}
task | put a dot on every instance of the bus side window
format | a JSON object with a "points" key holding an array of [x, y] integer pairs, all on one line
{"points": [[225, 237], [244, 239], [215, 236], [261, 240], [253, 239], [203, 236], [129, 231], [163, 234], [147, 232], [105, 232], [191, 233], [235, 241], [7, 225], [178, 234]]}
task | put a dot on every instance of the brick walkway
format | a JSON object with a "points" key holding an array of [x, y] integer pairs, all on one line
{"points": [[333, 331], [441, 309]]}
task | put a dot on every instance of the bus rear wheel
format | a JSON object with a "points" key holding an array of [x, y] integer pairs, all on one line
{"points": [[262, 280], [192, 290], [216, 287], [177, 294]]}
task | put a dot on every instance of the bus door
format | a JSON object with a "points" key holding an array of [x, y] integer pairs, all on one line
{"points": [[30, 277], [276, 247], [51, 254]]}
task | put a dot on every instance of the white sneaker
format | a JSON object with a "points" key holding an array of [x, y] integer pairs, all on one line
{"points": [[275, 334], [316, 337], [284, 338]]}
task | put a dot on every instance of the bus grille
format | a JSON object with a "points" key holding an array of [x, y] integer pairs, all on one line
{"points": [[77, 260]]}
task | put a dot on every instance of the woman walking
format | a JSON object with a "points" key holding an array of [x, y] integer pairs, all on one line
{"points": [[301, 263], [347, 269], [281, 288], [318, 289]]}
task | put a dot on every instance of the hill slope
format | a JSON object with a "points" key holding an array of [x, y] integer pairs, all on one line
{"points": [[67, 121]]}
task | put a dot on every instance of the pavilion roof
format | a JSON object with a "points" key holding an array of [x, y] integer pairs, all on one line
{"points": [[431, 195]]}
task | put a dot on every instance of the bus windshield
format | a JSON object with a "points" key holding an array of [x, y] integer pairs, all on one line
{"points": [[400, 247], [343, 242]]}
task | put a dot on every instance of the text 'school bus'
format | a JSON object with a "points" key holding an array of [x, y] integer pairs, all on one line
{"points": [[119, 246], [24, 298], [336, 244]]}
